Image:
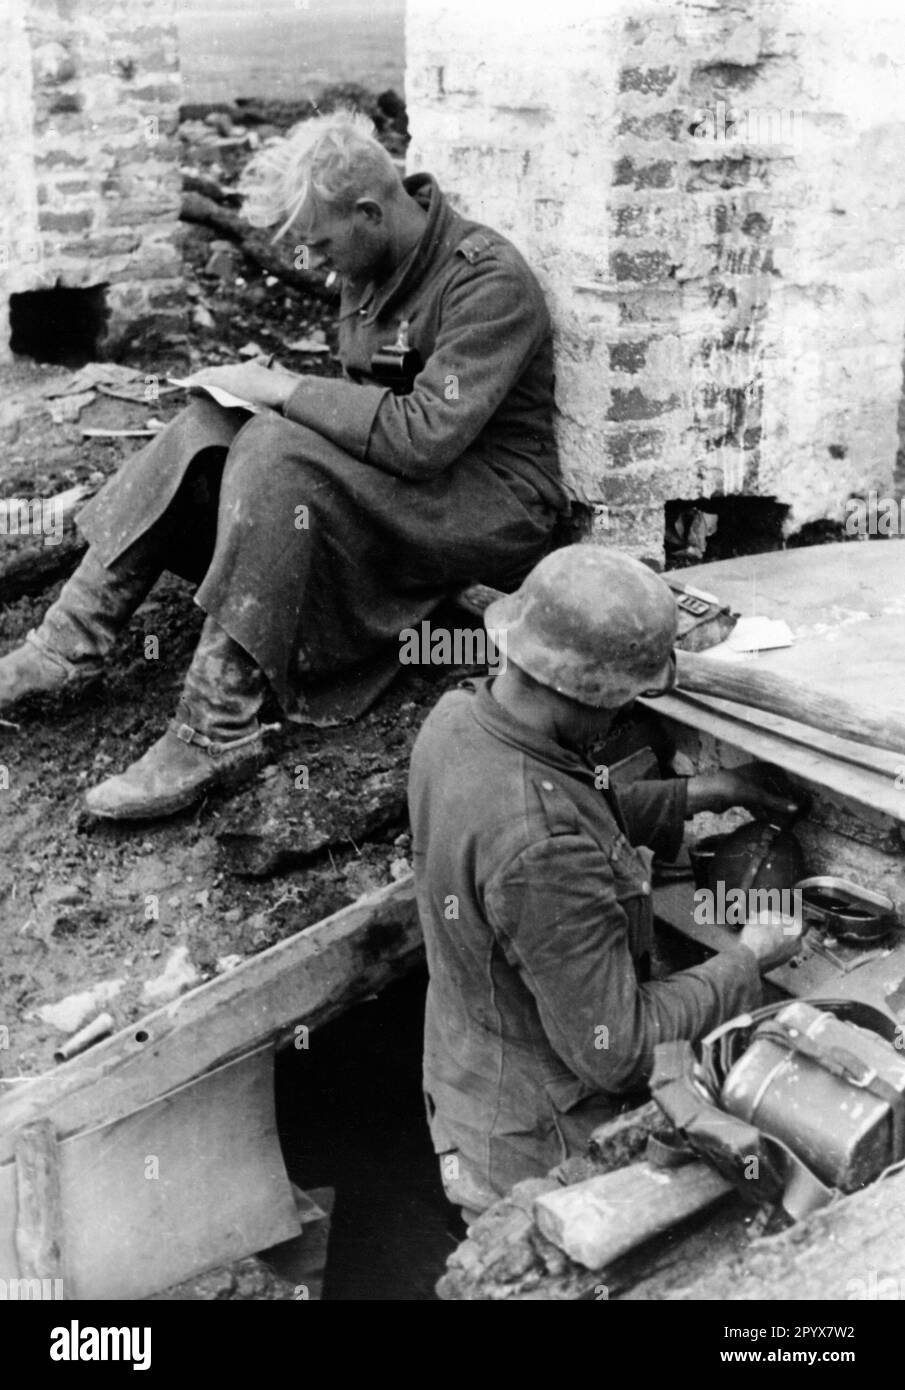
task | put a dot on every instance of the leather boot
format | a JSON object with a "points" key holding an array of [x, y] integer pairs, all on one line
{"points": [[214, 742], [79, 631]]}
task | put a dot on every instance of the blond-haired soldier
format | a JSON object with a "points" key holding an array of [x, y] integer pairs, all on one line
{"points": [[348, 508]]}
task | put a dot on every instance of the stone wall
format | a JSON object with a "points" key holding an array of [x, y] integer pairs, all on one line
{"points": [[89, 158], [712, 196]]}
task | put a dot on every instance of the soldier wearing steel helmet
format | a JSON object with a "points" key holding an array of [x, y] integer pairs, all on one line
{"points": [[534, 880]]}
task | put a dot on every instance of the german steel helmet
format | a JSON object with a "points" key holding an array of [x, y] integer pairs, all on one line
{"points": [[589, 623]]}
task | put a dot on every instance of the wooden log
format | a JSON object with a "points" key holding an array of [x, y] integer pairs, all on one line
{"points": [[259, 246], [39, 1206], [307, 979], [33, 565], [194, 181], [597, 1221], [791, 699], [852, 1250]]}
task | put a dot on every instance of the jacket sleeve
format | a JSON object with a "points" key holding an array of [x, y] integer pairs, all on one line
{"points": [[492, 321], [654, 814], [555, 911]]}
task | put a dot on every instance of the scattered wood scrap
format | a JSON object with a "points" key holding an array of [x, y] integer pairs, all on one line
{"points": [[120, 434]]}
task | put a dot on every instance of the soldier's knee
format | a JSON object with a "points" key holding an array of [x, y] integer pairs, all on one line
{"points": [[268, 449]]}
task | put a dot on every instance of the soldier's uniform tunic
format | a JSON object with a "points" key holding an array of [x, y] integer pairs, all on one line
{"points": [[408, 496]]}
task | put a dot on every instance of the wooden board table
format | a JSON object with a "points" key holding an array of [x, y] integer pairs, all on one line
{"points": [[845, 605]]}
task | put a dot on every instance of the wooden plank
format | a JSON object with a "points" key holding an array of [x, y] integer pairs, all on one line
{"points": [[192, 1181], [597, 1221], [39, 1206], [307, 979], [806, 753], [845, 605]]}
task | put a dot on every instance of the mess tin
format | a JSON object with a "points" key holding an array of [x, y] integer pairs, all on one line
{"points": [[845, 909], [832, 1092]]}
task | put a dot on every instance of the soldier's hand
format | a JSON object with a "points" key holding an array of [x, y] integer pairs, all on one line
{"points": [[251, 380], [772, 938]]}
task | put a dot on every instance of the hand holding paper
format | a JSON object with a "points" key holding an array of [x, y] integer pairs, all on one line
{"points": [[246, 386]]}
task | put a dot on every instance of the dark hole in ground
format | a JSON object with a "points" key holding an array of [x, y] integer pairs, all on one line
{"points": [[351, 1116], [718, 528], [64, 327]]}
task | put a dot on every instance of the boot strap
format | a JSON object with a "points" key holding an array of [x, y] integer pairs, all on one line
{"points": [[216, 748]]}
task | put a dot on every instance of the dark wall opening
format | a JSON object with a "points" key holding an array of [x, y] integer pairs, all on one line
{"points": [[718, 528], [64, 327]]}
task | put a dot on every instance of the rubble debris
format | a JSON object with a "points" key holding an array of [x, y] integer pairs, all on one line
{"points": [[202, 317], [307, 345], [90, 377], [178, 974], [286, 824], [69, 1014], [69, 407], [196, 181]]}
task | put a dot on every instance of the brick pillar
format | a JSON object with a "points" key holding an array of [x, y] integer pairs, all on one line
{"points": [[89, 126], [716, 214], [19, 238]]}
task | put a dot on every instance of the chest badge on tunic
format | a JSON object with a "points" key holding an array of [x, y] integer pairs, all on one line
{"points": [[397, 364]]}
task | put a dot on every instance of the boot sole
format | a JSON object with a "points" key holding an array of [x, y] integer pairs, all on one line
{"points": [[227, 780]]}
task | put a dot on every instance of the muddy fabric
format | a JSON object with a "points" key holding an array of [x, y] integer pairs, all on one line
{"points": [[321, 532], [534, 893]]}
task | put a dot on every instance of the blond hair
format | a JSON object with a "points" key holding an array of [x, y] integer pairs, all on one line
{"points": [[337, 157]]}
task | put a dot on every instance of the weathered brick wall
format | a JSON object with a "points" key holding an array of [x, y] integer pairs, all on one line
{"points": [[712, 196], [89, 157]]}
